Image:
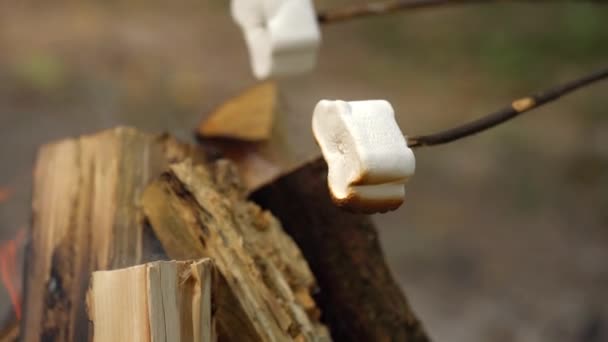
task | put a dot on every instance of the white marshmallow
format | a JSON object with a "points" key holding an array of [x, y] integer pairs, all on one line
{"points": [[282, 35], [368, 159]]}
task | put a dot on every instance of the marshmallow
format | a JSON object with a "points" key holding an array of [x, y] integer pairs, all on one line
{"points": [[368, 159], [282, 35]]}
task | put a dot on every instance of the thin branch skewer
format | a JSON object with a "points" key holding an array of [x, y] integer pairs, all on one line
{"points": [[516, 108], [386, 7]]}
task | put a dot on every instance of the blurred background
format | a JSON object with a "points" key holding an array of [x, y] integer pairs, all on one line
{"points": [[503, 236]]}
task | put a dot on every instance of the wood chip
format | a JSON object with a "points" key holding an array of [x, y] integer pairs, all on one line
{"points": [[248, 116]]}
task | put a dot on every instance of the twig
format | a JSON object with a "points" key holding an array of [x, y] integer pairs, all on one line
{"points": [[516, 108], [385, 7]]}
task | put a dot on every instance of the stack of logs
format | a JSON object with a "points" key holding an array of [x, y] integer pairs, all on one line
{"points": [[283, 264]]}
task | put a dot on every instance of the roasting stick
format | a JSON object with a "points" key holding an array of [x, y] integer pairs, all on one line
{"points": [[347, 13], [283, 36], [369, 160], [516, 108], [368, 157]]}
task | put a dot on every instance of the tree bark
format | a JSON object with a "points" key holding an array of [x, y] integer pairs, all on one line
{"points": [[358, 297], [86, 217]]}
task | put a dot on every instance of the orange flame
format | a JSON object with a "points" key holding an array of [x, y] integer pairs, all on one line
{"points": [[9, 274], [5, 193]]}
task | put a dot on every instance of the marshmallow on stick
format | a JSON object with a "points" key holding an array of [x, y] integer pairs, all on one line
{"points": [[282, 36], [368, 159]]}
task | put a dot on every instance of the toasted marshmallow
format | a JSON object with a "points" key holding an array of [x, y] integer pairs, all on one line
{"points": [[282, 36], [368, 159]]}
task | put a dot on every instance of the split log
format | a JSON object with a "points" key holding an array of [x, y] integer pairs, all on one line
{"points": [[86, 217], [359, 299], [164, 301], [265, 283]]}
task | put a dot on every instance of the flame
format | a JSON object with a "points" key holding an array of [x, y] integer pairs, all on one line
{"points": [[10, 274], [5, 193], [9, 271]]}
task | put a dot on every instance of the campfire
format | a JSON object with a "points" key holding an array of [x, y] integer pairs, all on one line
{"points": [[11, 254], [10, 272]]}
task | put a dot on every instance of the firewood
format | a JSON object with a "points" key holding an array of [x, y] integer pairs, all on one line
{"points": [[359, 299], [86, 217], [94, 208], [256, 132], [247, 117], [265, 283], [160, 301]]}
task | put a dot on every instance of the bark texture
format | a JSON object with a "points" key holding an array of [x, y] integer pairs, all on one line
{"points": [[358, 296]]}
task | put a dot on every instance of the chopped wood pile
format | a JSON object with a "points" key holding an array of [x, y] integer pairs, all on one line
{"points": [[108, 206]]}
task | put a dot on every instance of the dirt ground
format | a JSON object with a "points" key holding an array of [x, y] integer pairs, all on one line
{"points": [[503, 237]]}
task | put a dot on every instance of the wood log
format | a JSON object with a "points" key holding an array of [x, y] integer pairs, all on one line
{"points": [[265, 283], [163, 301], [359, 299], [87, 217]]}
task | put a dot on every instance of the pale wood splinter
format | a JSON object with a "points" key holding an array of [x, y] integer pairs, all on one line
{"points": [[163, 301]]}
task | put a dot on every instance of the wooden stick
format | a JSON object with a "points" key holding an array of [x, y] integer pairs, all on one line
{"points": [[392, 6], [155, 302], [507, 113]]}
